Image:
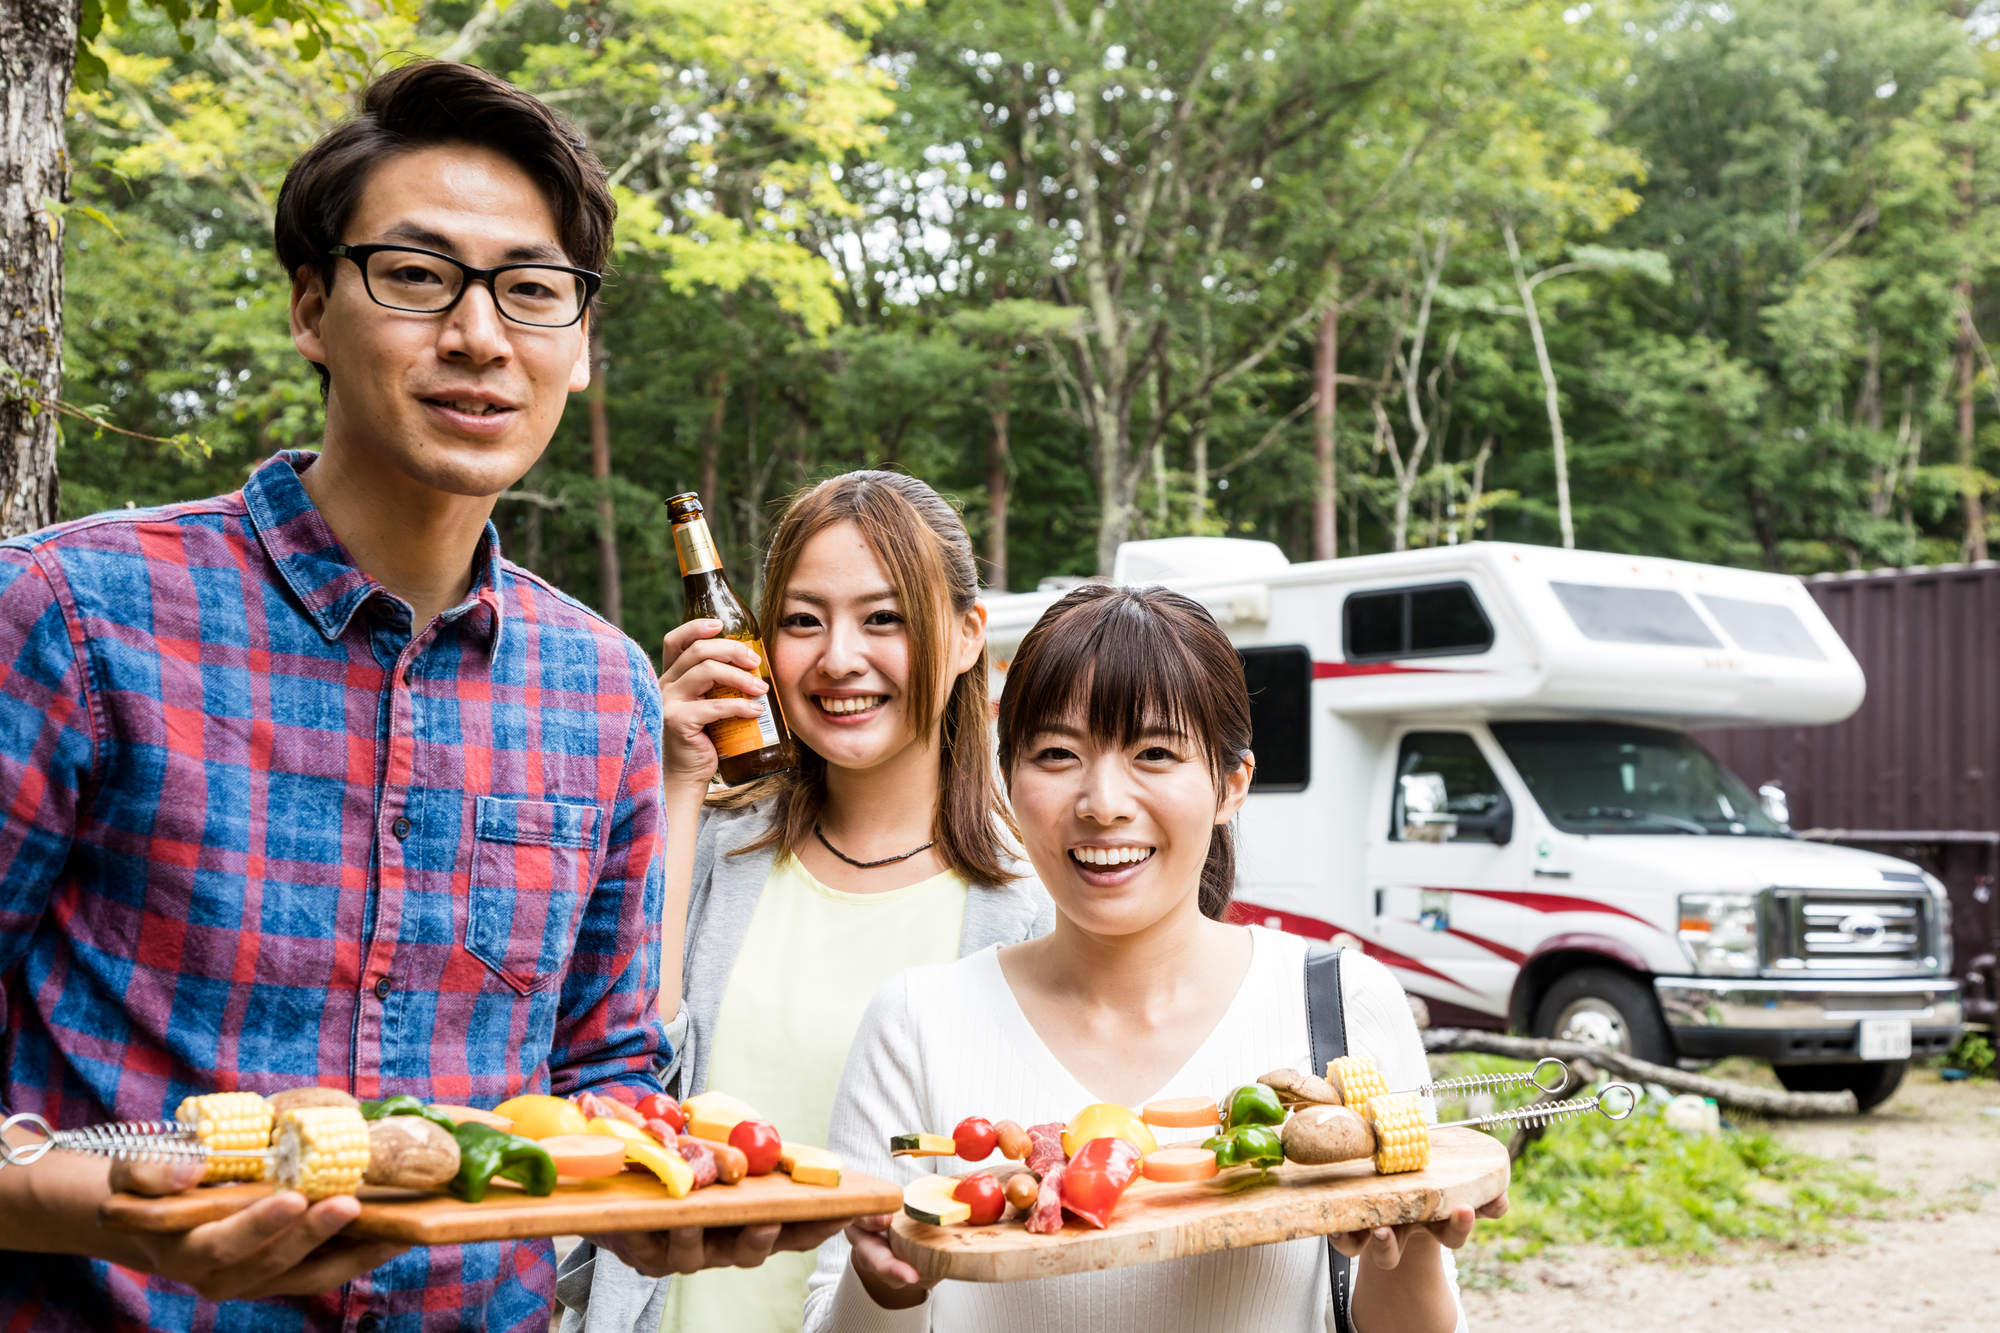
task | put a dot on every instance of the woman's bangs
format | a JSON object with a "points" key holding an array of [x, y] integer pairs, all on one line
{"points": [[1119, 674]]}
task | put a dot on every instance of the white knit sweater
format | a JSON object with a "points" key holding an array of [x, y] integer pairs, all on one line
{"points": [[942, 1043]]}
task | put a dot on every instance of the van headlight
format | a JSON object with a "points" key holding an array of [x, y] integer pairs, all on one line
{"points": [[1940, 923], [1719, 932]]}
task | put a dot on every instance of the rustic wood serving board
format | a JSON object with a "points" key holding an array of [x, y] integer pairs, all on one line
{"points": [[1237, 1209], [630, 1201]]}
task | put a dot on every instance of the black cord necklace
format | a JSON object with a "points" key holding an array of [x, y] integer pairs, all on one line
{"points": [[869, 865]]}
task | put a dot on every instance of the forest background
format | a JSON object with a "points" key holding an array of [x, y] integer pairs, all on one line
{"points": [[1701, 280]]}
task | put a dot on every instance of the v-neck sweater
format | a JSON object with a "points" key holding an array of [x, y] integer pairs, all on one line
{"points": [[944, 1042]]}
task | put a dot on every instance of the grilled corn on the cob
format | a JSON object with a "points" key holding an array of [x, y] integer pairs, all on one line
{"points": [[229, 1120], [1402, 1139], [321, 1151], [1357, 1078]]}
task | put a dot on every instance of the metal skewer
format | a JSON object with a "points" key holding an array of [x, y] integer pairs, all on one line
{"points": [[1549, 1112], [119, 1140], [1484, 1082]]}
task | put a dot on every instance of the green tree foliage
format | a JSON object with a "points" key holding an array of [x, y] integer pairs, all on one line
{"points": [[1068, 262]]}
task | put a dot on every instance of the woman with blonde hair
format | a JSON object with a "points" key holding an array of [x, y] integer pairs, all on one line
{"points": [[888, 846]]}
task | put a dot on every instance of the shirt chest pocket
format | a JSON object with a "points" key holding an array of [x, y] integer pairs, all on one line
{"points": [[530, 876]]}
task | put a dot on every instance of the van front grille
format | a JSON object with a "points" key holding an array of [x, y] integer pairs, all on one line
{"points": [[1857, 931]]}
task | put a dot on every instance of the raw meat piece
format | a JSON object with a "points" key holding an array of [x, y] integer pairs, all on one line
{"points": [[1047, 1216]]}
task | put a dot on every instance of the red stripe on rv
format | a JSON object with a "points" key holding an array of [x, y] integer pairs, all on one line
{"points": [[1334, 670], [1553, 902], [1491, 946], [1250, 914]]}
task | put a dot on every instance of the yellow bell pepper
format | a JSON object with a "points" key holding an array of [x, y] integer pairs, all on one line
{"points": [[644, 1150], [1108, 1120]]}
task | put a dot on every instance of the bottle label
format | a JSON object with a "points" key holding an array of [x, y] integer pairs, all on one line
{"points": [[742, 735], [696, 548]]}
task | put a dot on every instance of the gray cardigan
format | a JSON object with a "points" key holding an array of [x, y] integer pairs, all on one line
{"points": [[599, 1294]]}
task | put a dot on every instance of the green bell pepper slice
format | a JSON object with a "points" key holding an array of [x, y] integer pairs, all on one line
{"points": [[1253, 1104], [485, 1153], [404, 1104], [1247, 1145]]}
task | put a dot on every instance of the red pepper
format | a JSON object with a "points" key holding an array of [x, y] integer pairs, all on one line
{"points": [[659, 1106], [1098, 1177], [759, 1142]]}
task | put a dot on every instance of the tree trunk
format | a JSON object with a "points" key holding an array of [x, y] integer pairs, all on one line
{"points": [[1975, 511], [1548, 390], [1198, 466], [996, 503], [37, 51], [711, 440], [1326, 358], [609, 600]]}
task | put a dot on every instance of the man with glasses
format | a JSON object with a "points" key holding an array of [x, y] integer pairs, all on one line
{"points": [[307, 785]]}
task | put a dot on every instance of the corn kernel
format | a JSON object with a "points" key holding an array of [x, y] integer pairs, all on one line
{"points": [[321, 1150], [1357, 1078], [1402, 1139], [229, 1121]]}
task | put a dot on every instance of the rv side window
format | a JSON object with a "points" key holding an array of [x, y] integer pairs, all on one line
{"points": [[1280, 683], [1764, 627], [1633, 615], [1445, 790], [1431, 621]]}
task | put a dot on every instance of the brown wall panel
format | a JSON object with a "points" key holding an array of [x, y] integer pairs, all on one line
{"points": [[1923, 752]]}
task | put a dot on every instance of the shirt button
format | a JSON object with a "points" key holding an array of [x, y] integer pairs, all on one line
{"points": [[401, 828], [369, 1323], [382, 989]]}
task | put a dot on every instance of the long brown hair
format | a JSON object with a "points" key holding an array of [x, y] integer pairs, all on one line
{"points": [[1129, 661], [922, 542]]}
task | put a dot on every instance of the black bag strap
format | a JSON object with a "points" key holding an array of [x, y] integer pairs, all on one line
{"points": [[1326, 1028]]}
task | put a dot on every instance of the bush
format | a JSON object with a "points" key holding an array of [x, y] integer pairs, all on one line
{"points": [[1638, 1183]]}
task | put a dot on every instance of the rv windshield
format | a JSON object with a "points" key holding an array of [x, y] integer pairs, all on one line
{"points": [[1603, 777]]}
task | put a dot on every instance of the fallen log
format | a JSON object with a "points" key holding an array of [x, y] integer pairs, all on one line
{"points": [[1736, 1096]]}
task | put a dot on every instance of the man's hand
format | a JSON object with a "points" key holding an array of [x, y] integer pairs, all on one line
{"points": [[691, 1249], [276, 1247]]}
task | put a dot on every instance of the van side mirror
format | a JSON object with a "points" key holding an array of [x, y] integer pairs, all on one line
{"points": [[1426, 817], [1772, 797]]}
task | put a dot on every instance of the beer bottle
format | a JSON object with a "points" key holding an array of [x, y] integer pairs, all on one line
{"points": [[749, 748]]}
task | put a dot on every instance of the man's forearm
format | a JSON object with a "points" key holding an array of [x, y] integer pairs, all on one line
{"points": [[51, 1207], [682, 807]]}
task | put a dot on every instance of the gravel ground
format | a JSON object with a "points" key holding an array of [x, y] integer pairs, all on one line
{"points": [[1931, 1263]]}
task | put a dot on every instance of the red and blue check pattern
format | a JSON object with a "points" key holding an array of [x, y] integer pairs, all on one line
{"points": [[259, 834]]}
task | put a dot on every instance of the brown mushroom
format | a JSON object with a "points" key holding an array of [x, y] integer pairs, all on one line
{"points": [[1296, 1089], [1321, 1135], [297, 1099], [409, 1152]]}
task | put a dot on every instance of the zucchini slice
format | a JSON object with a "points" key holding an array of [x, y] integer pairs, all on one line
{"points": [[922, 1145], [928, 1199]]}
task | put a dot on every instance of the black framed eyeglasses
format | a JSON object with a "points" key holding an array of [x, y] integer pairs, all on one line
{"points": [[425, 282]]}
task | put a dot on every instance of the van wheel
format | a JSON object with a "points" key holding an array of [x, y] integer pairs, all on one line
{"points": [[1871, 1081], [1605, 1008]]}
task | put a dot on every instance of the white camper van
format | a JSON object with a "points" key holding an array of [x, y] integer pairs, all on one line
{"points": [[1473, 763]]}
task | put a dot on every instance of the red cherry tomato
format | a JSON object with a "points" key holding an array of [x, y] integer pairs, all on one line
{"points": [[974, 1139], [984, 1193], [759, 1142], [659, 1106]]}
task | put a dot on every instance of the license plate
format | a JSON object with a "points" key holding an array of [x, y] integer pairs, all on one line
{"points": [[1884, 1039]]}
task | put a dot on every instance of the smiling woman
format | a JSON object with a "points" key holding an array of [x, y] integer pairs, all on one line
{"points": [[888, 845], [1124, 741]]}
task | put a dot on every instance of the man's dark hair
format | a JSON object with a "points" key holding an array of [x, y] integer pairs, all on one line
{"points": [[423, 105]]}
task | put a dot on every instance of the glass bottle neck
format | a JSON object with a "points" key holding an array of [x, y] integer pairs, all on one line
{"points": [[695, 547]]}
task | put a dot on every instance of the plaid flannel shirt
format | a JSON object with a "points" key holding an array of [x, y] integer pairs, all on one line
{"points": [[259, 835]]}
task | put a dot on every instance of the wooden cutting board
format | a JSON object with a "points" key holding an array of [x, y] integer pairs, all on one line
{"points": [[1237, 1209], [627, 1202]]}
